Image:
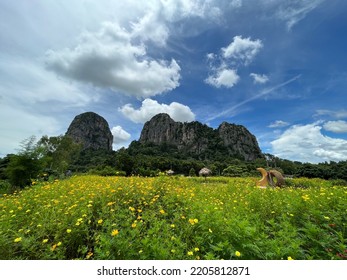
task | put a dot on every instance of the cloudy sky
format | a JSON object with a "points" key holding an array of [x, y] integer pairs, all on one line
{"points": [[277, 67]]}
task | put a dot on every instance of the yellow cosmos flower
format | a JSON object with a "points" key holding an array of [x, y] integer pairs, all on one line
{"points": [[237, 254], [190, 253], [114, 232], [162, 211], [193, 221], [68, 230], [133, 225], [100, 221], [290, 258], [44, 240], [18, 239]]}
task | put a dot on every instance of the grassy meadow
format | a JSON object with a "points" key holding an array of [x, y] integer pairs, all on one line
{"points": [[93, 217]]}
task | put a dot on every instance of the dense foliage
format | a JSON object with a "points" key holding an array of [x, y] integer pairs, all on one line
{"points": [[93, 217], [57, 156]]}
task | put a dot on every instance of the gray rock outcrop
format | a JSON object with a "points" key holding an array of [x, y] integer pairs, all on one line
{"points": [[197, 138], [92, 131]]}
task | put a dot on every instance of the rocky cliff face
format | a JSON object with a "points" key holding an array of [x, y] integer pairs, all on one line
{"points": [[197, 138], [92, 131], [239, 140]]}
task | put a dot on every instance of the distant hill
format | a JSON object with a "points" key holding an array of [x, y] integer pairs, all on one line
{"points": [[92, 131], [199, 140]]}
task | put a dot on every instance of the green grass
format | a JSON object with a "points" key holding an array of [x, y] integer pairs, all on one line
{"points": [[92, 217]]}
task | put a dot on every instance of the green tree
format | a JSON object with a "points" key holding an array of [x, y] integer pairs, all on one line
{"points": [[58, 152], [192, 172], [26, 165]]}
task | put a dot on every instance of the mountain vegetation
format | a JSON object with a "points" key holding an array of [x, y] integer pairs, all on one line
{"points": [[230, 150]]}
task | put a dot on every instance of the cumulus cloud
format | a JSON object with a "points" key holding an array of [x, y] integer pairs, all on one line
{"points": [[240, 52], [223, 77], [336, 126], [121, 138], [278, 124], [242, 49], [259, 79], [119, 135], [150, 108], [306, 143], [109, 58]]}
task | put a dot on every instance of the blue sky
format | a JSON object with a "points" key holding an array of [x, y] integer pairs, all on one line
{"points": [[277, 67]]}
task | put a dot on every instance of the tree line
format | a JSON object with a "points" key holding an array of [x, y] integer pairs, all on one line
{"points": [[58, 156]]}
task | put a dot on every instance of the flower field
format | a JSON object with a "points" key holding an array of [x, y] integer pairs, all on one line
{"points": [[92, 217]]}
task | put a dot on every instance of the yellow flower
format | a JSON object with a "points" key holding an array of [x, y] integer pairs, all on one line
{"points": [[210, 230], [100, 221], [18, 239], [44, 240], [290, 258], [172, 225], [132, 209], [196, 249], [237, 254], [114, 232], [89, 255], [162, 211], [53, 247], [68, 230], [190, 253], [133, 225]]}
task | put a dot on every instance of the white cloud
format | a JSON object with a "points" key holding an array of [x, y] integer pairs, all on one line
{"points": [[223, 77], [121, 138], [336, 126], [119, 135], [242, 49], [150, 108], [278, 123], [109, 59], [236, 3], [259, 79], [19, 125], [294, 11], [32, 101], [306, 143], [240, 52], [338, 114]]}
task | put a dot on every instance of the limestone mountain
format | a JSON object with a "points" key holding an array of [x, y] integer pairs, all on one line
{"points": [[92, 131], [200, 140]]}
